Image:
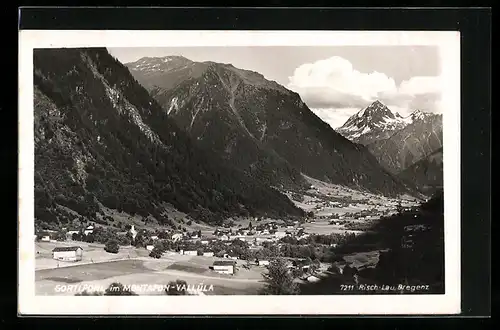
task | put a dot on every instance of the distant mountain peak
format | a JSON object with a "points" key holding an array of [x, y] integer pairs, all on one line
{"points": [[375, 112], [374, 120], [377, 122]]}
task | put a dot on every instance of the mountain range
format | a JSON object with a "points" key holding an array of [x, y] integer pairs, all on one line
{"points": [[258, 126], [377, 122], [103, 143]]}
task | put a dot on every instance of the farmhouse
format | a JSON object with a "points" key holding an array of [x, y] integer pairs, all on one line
{"points": [[208, 254], [263, 262], [45, 238], [150, 247], [69, 253], [224, 266], [191, 253]]}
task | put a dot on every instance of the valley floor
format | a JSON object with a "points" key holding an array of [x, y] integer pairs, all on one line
{"points": [[133, 266]]}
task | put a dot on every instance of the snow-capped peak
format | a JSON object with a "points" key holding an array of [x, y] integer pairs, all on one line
{"points": [[152, 65], [417, 115]]}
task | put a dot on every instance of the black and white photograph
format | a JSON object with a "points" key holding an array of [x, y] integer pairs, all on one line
{"points": [[232, 167]]}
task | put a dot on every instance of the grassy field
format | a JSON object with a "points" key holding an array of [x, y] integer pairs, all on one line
{"points": [[92, 253]]}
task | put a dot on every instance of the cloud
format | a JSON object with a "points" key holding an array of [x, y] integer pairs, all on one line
{"points": [[335, 117], [423, 93], [336, 80], [334, 83], [324, 97]]}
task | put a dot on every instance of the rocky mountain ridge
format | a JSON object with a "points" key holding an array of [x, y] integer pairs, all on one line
{"points": [[260, 127]]}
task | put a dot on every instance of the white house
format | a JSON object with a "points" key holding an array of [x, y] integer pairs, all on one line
{"points": [[67, 253], [263, 262], [312, 279], [204, 242], [191, 253], [150, 247], [224, 238], [45, 238], [154, 237], [279, 234], [224, 266], [208, 254], [176, 237]]}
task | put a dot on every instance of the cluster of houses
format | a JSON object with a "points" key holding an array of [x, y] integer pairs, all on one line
{"points": [[270, 232]]}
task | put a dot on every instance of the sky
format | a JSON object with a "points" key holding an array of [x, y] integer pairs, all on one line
{"points": [[335, 81]]}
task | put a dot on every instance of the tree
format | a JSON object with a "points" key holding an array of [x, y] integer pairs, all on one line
{"points": [[176, 288], [139, 240], [90, 238], [279, 280], [156, 253], [129, 237], [112, 246], [314, 266], [61, 236]]}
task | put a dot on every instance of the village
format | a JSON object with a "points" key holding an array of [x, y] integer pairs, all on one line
{"points": [[237, 249]]}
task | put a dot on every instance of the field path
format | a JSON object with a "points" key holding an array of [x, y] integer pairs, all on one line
{"points": [[209, 277]]}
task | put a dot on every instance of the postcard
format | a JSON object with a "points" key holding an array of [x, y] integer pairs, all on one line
{"points": [[239, 172]]}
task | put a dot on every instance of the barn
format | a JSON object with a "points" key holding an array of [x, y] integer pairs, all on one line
{"points": [[67, 253]]}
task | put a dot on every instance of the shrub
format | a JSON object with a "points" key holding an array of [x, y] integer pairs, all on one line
{"points": [[156, 253]]}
